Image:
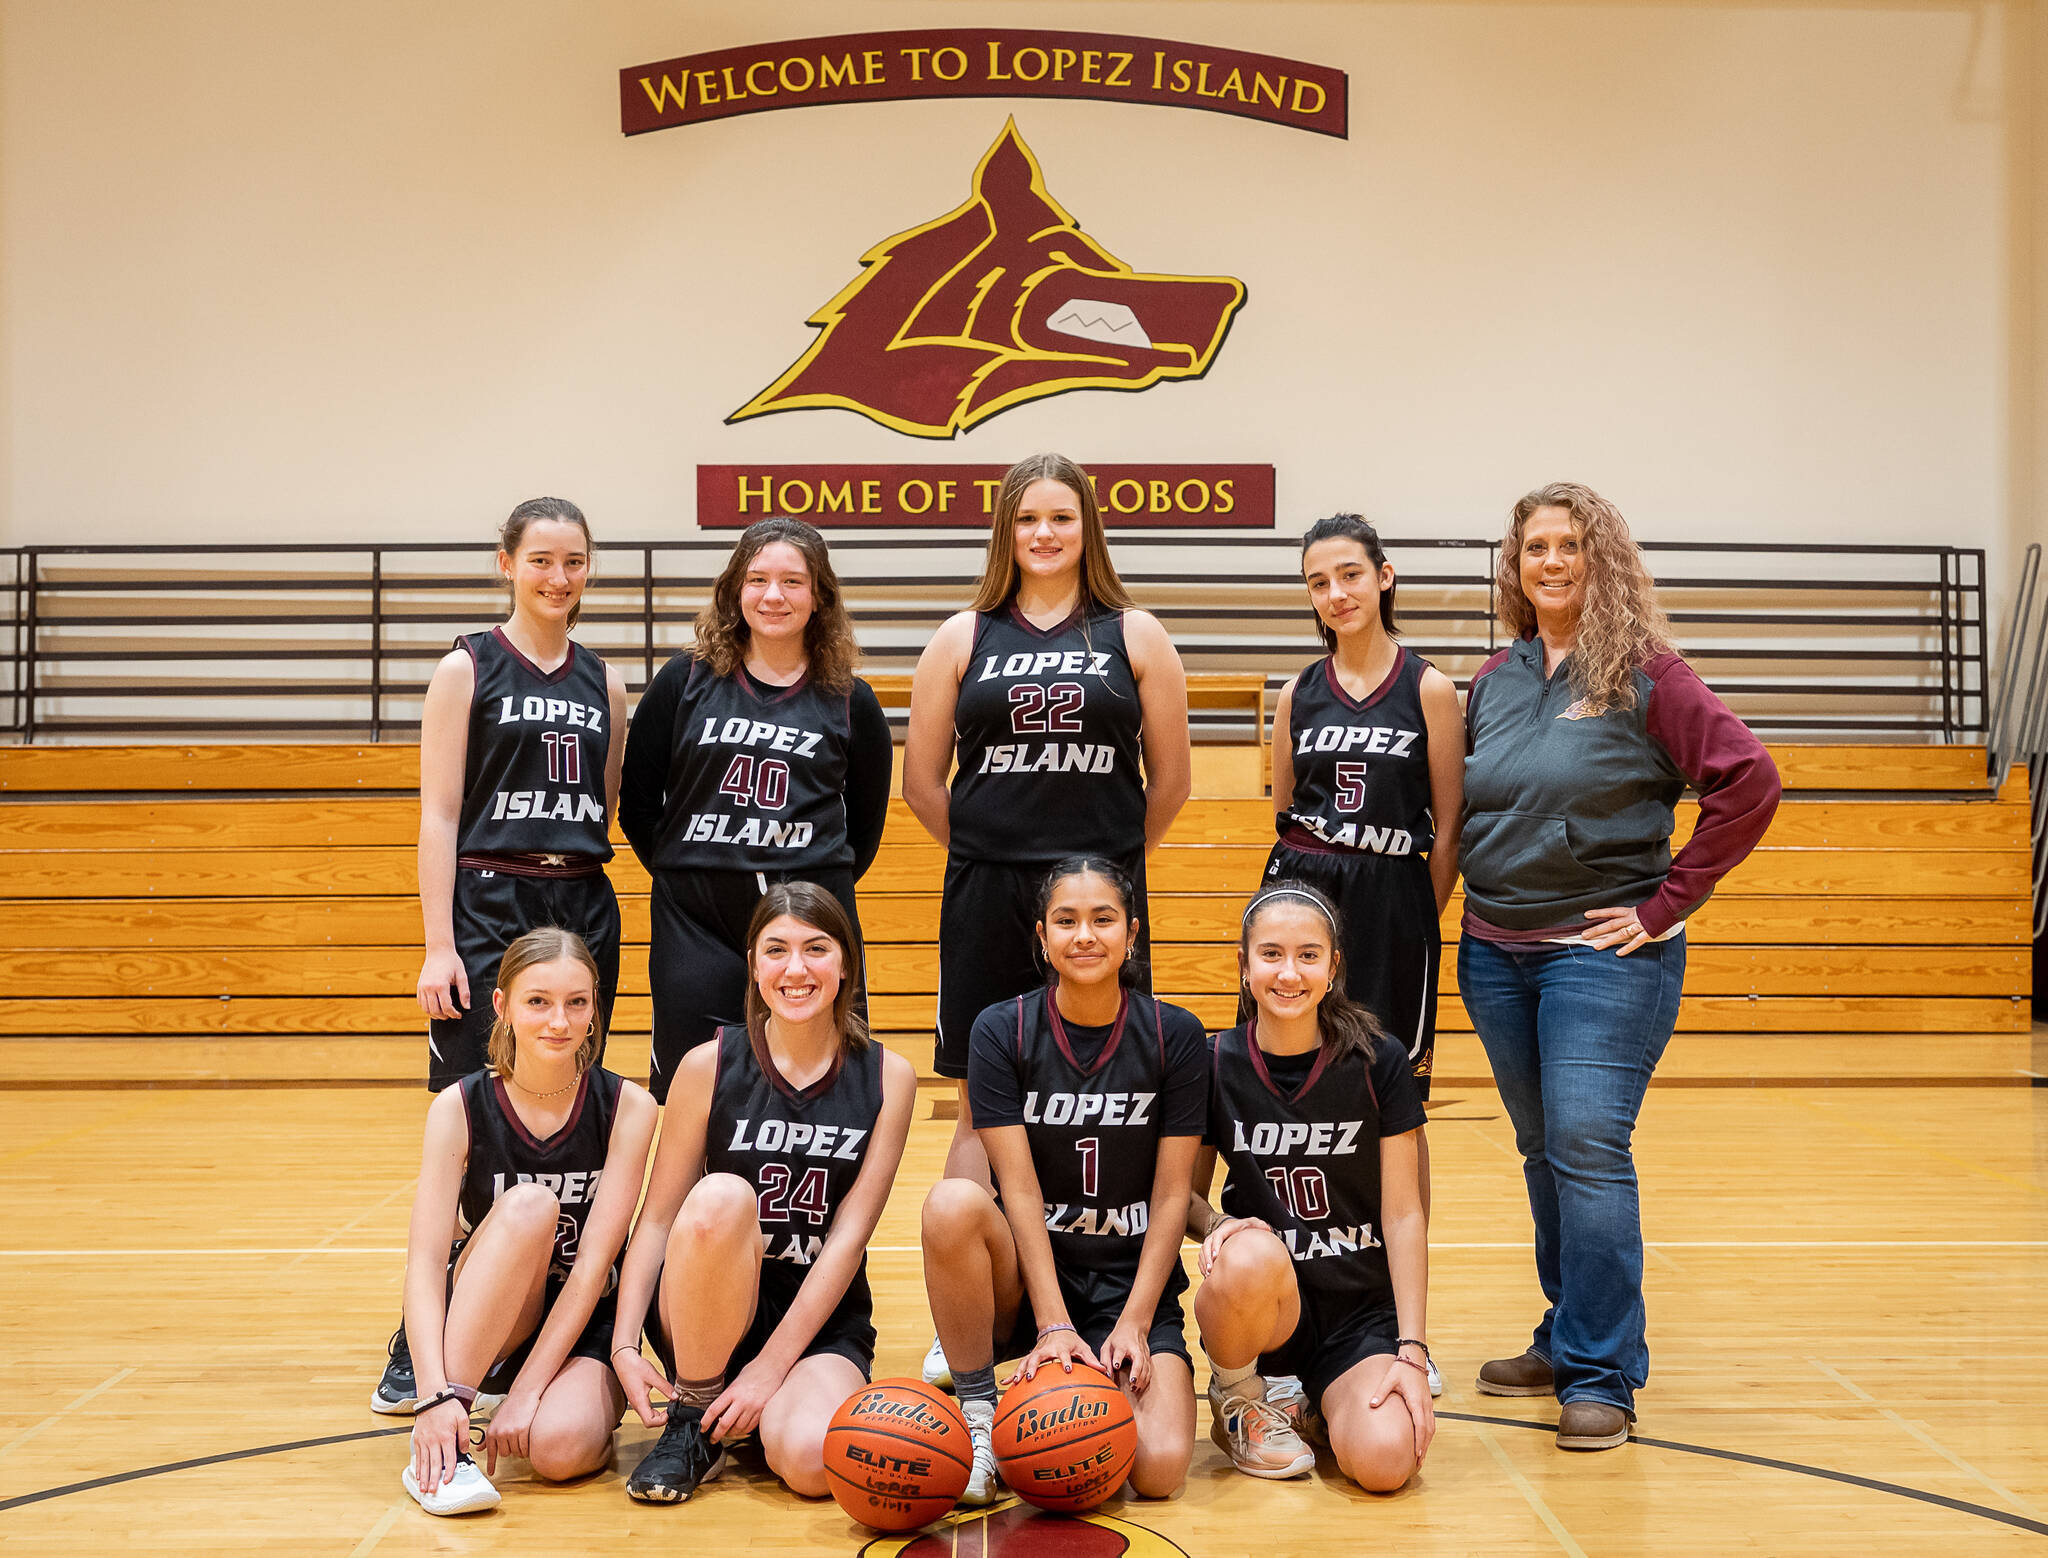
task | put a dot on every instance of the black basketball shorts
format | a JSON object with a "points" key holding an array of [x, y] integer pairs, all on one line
{"points": [[1325, 1346], [696, 957], [1095, 1303], [848, 1332], [493, 909], [1392, 942]]}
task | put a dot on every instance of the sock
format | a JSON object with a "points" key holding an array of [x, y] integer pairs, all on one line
{"points": [[1225, 1383], [699, 1392], [976, 1384]]}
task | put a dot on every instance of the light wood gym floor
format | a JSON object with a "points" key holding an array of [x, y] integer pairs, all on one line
{"points": [[207, 1276]]}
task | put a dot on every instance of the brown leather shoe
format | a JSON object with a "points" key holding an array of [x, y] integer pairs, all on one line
{"points": [[1528, 1375], [1592, 1425]]}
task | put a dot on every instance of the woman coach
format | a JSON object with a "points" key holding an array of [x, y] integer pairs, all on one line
{"points": [[1581, 736]]}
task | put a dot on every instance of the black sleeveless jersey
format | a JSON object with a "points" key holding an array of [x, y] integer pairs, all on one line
{"points": [[1361, 770], [1306, 1158], [504, 1153], [533, 777], [1047, 726], [757, 777], [801, 1149], [1094, 1125]]}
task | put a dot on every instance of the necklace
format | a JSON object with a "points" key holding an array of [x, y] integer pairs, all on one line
{"points": [[557, 1093]]}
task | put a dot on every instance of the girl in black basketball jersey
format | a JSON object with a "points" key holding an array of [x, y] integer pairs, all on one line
{"points": [[526, 1190], [1090, 1097], [1053, 689], [1368, 786], [748, 1265], [756, 757], [520, 743], [1318, 1264]]}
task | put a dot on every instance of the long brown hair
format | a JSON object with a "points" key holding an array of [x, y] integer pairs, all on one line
{"points": [[1101, 589], [829, 644], [1620, 622], [513, 531], [548, 944], [809, 904], [1343, 1025]]}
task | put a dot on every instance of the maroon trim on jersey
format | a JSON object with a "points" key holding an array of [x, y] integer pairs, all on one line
{"points": [[1116, 1031], [1315, 1072], [533, 865], [758, 1043], [1077, 615], [1379, 692], [751, 686], [550, 677], [519, 1125]]}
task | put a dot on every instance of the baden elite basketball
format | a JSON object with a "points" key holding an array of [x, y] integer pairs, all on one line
{"points": [[897, 1454], [1064, 1441]]}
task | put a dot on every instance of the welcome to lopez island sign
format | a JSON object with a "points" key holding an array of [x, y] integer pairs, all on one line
{"points": [[1004, 299], [981, 62]]}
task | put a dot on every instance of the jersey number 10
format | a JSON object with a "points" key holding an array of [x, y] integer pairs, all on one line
{"points": [[1303, 1191]]}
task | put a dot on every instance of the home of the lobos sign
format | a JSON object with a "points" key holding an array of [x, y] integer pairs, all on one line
{"points": [[890, 496]]}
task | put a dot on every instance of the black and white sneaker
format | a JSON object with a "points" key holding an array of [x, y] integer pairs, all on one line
{"points": [[681, 1461], [396, 1395]]}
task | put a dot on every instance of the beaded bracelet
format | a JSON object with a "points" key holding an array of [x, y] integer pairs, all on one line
{"points": [[1058, 1325], [1409, 1341]]}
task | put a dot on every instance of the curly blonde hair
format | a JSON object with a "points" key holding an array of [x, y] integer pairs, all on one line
{"points": [[1620, 623], [829, 645]]}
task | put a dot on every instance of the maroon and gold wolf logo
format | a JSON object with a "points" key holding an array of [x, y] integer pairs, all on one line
{"points": [[1014, 1530], [999, 302]]}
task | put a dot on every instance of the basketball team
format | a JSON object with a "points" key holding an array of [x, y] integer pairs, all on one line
{"points": [[1048, 752]]}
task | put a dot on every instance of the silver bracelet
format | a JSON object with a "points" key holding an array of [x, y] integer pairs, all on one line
{"points": [[1058, 1325]]}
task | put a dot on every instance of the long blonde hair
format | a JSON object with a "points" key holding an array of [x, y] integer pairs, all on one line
{"points": [[1620, 622], [548, 944], [1101, 589]]}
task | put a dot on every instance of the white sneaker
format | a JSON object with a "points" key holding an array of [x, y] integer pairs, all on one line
{"points": [[468, 1491], [984, 1483], [937, 1372], [1436, 1380], [486, 1405]]}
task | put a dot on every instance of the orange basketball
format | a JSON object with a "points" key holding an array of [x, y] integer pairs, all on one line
{"points": [[897, 1454], [1065, 1441]]}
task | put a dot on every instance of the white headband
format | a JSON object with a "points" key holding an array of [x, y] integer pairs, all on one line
{"points": [[1271, 893]]}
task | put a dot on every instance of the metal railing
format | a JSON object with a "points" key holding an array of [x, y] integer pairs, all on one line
{"points": [[336, 641], [2019, 719]]}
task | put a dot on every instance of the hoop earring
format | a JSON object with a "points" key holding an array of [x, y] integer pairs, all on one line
{"points": [[591, 1031]]}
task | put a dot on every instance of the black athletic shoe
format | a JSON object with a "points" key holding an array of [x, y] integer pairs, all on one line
{"points": [[396, 1395], [680, 1462]]}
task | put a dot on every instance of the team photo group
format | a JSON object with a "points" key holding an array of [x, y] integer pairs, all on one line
{"points": [[546, 1298]]}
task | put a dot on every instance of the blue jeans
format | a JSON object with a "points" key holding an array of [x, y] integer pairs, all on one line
{"points": [[1573, 1034]]}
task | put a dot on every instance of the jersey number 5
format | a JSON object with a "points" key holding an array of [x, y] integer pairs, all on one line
{"points": [[1350, 786]]}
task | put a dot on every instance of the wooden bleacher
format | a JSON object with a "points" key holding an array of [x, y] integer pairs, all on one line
{"points": [[247, 914]]}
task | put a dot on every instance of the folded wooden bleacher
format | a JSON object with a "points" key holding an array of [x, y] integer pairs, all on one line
{"points": [[246, 915]]}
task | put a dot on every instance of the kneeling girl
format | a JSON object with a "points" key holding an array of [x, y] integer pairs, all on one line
{"points": [[1318, 1264], [748, 1266], [1088, 1096], [526, 1190]]}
